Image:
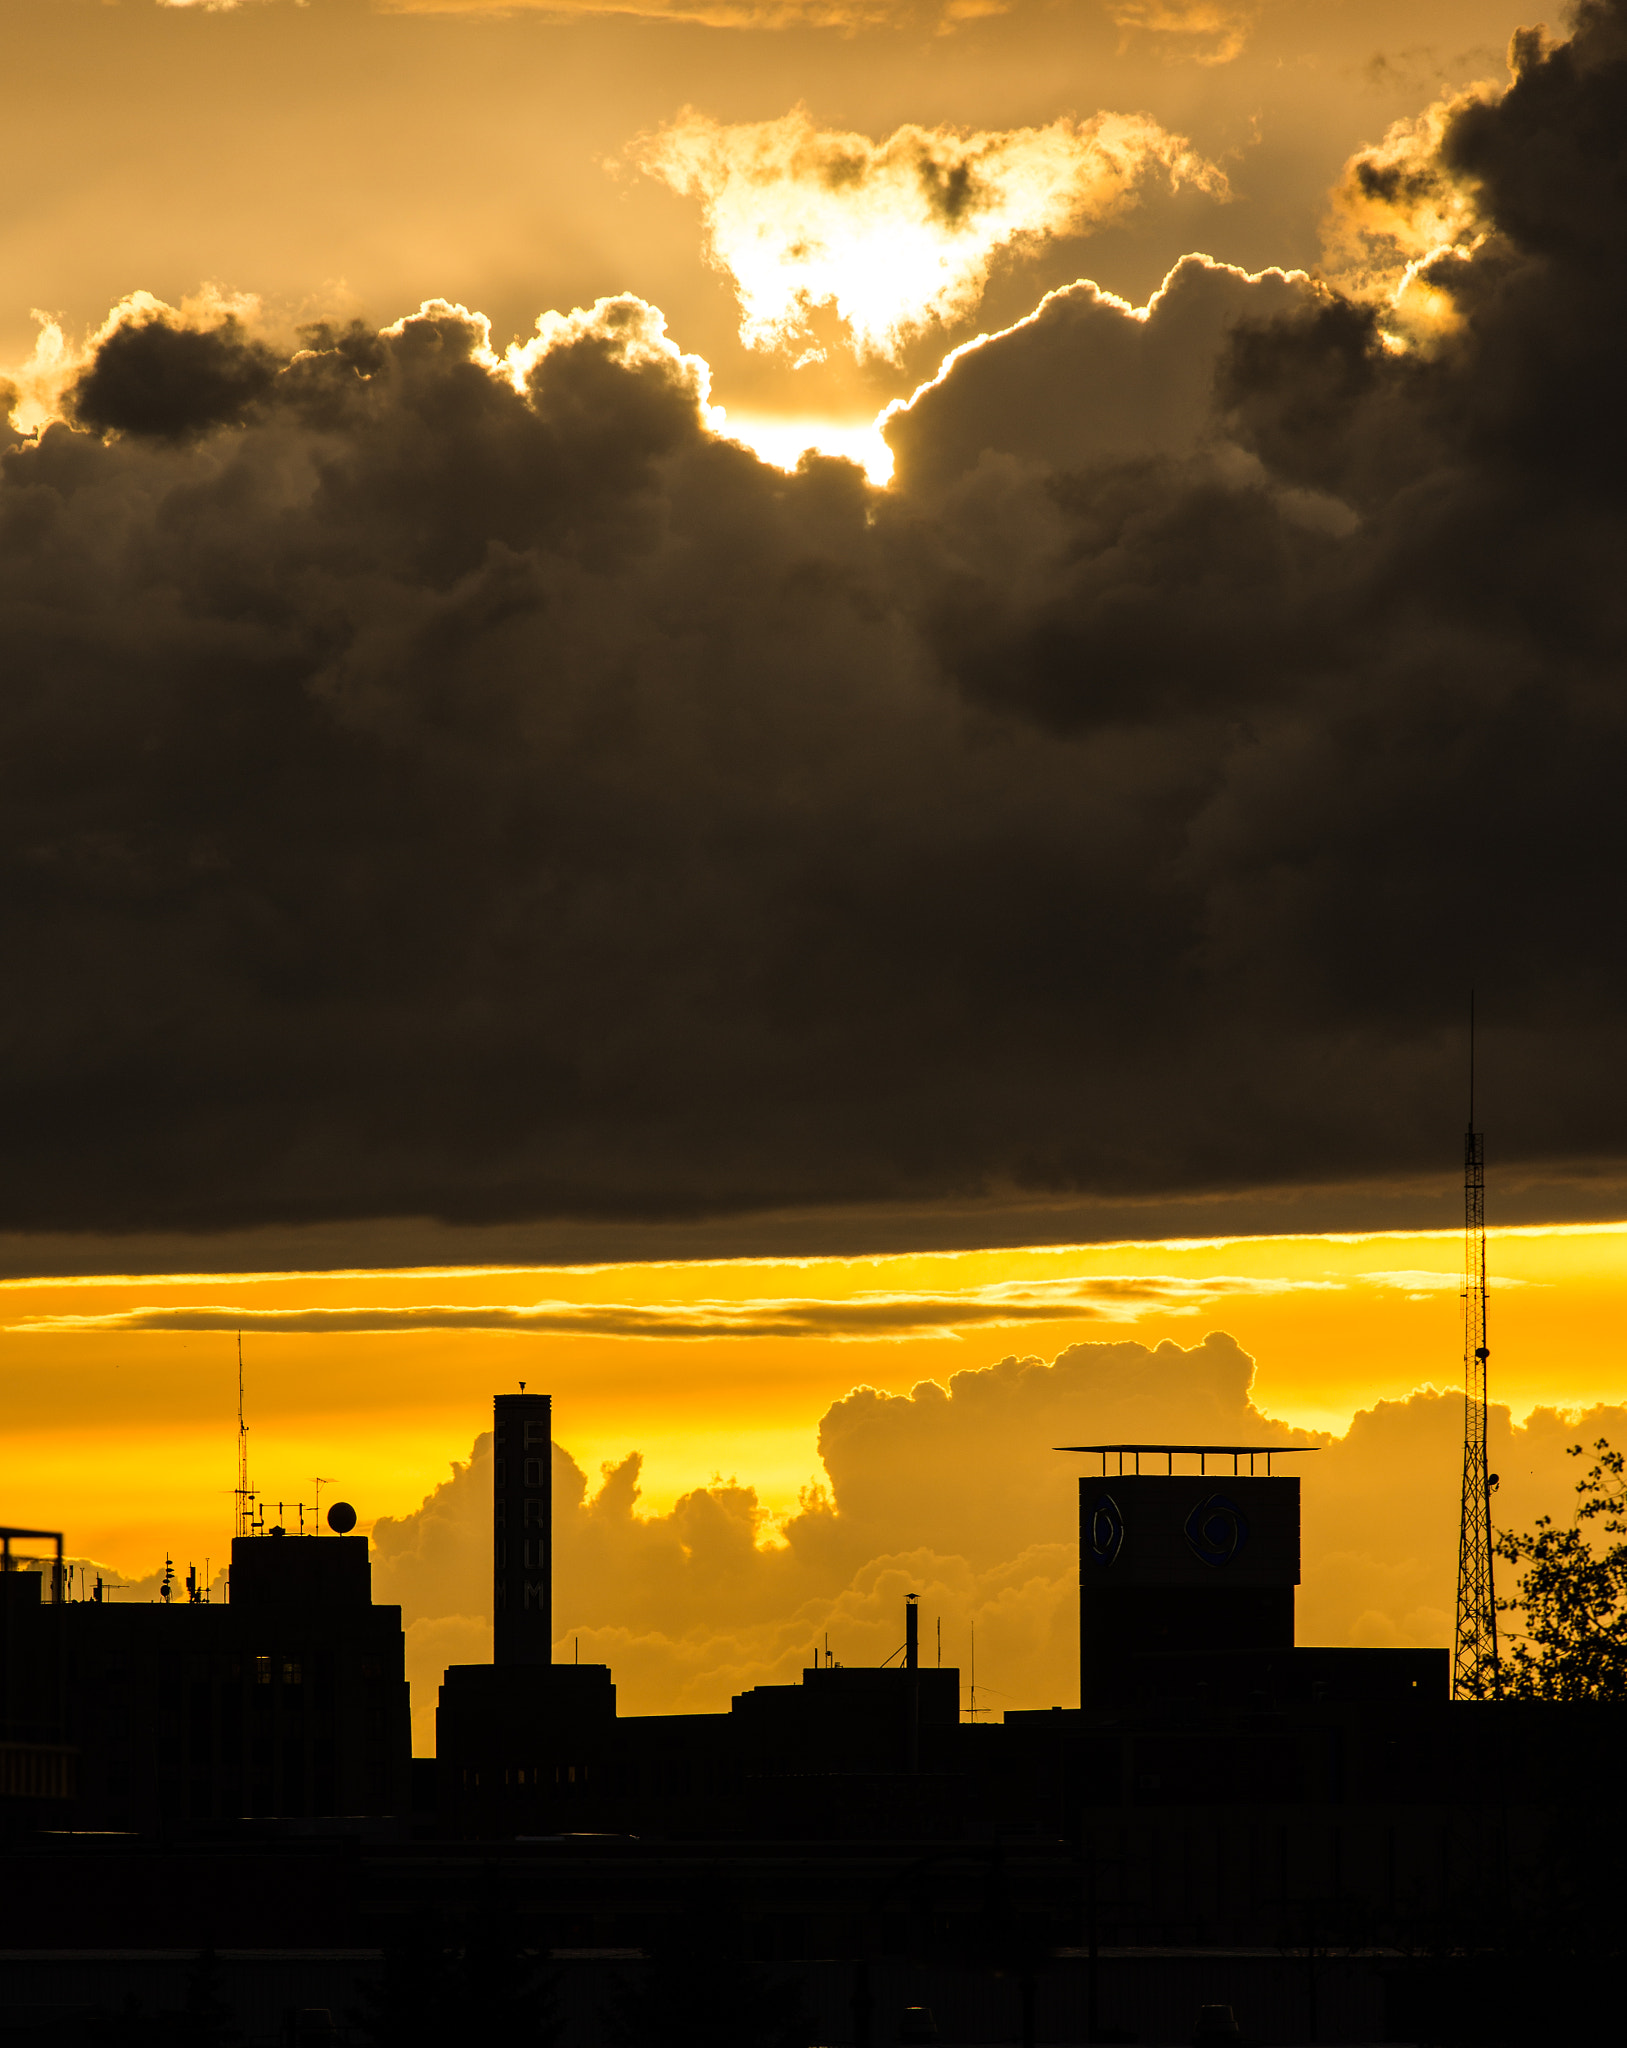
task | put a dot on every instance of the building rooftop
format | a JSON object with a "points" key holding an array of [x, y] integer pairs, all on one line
{"points": [[1202, 1452]]}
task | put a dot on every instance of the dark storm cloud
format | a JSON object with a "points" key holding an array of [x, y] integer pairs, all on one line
{"points": [[424, 795], [156, 376]]}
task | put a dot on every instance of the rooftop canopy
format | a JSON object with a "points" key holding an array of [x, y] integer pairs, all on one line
{"points": [[1202, 1452]]}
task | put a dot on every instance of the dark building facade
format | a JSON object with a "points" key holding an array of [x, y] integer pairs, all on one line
{"points": [[522, 1529], [38, 1767], [1182, 1564], [1215, 1784], [288, 1700], [521, 1736], [1320, 1836]]}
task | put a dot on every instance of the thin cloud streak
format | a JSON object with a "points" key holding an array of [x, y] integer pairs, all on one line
{"points": [[877, 1314], [1192, 31], [738, 14]]}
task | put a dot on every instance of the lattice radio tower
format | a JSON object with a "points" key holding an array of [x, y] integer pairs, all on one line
{"points": [[243, 1492], [1474, 1651]]}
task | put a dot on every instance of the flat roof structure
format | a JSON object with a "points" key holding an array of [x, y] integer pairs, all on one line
{"points": [[1202, 1452]]}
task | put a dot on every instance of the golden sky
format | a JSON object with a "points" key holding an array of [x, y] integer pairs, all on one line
{"points": [[345, 157], [120, 1394], [457, 786]]}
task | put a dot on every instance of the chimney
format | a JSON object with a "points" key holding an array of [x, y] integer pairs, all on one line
{"points": [[522, 1530], [912, 1648]]}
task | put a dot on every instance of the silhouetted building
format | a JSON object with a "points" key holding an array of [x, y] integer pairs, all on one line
{"points": [[1184, 1564], [520, 1742], [522, 1529], [522, 1749], [289, 1699], [1317, 1837], [1303, 1833], [37, 1765], [1215, 1784]]}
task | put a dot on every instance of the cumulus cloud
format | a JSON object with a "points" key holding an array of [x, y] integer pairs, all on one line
{"points": [[1398, 213], [901, 234], [1139, 380], [174, 376], [456, 782], [955, 1491]]}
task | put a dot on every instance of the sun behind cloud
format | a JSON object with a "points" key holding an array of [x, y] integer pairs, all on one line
{"points": [[902, 234]]}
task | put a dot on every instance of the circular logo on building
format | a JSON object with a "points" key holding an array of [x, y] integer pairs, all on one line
{"points": [[1217, 1529], [1104, 1533]]}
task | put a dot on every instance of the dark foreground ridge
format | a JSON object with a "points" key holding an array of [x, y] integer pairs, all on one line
{"points": [[215, 1830]]}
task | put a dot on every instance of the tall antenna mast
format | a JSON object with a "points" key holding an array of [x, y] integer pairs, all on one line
{"points": [[245, 1497], [1475, 1674]]}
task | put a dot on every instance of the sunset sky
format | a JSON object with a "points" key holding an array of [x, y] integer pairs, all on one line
{"points": [[345, 157], [721, 1375], [509, 873], [379, 1379]]}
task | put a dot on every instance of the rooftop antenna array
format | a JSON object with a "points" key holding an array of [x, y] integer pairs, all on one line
{"points": [[1475, 1674]]}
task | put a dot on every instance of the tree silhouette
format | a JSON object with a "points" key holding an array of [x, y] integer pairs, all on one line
{"points": [[1573, 1597]]}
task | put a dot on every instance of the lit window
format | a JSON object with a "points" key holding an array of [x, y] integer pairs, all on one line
{"points": [[262, 1670], [290, 1671]]}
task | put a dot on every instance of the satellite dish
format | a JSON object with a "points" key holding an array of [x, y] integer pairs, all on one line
{"points": [[341, 1518]]}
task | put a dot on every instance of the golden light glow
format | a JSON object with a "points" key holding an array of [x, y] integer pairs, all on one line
{"points": [[1397, 214], [901, 234], [120, 1398], [710, 1367], [40, 381], [784, 442]]}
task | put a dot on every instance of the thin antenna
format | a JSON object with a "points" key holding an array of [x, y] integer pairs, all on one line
{"points": [[321, 1481], [245, 1498], [1475, 1670]]}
